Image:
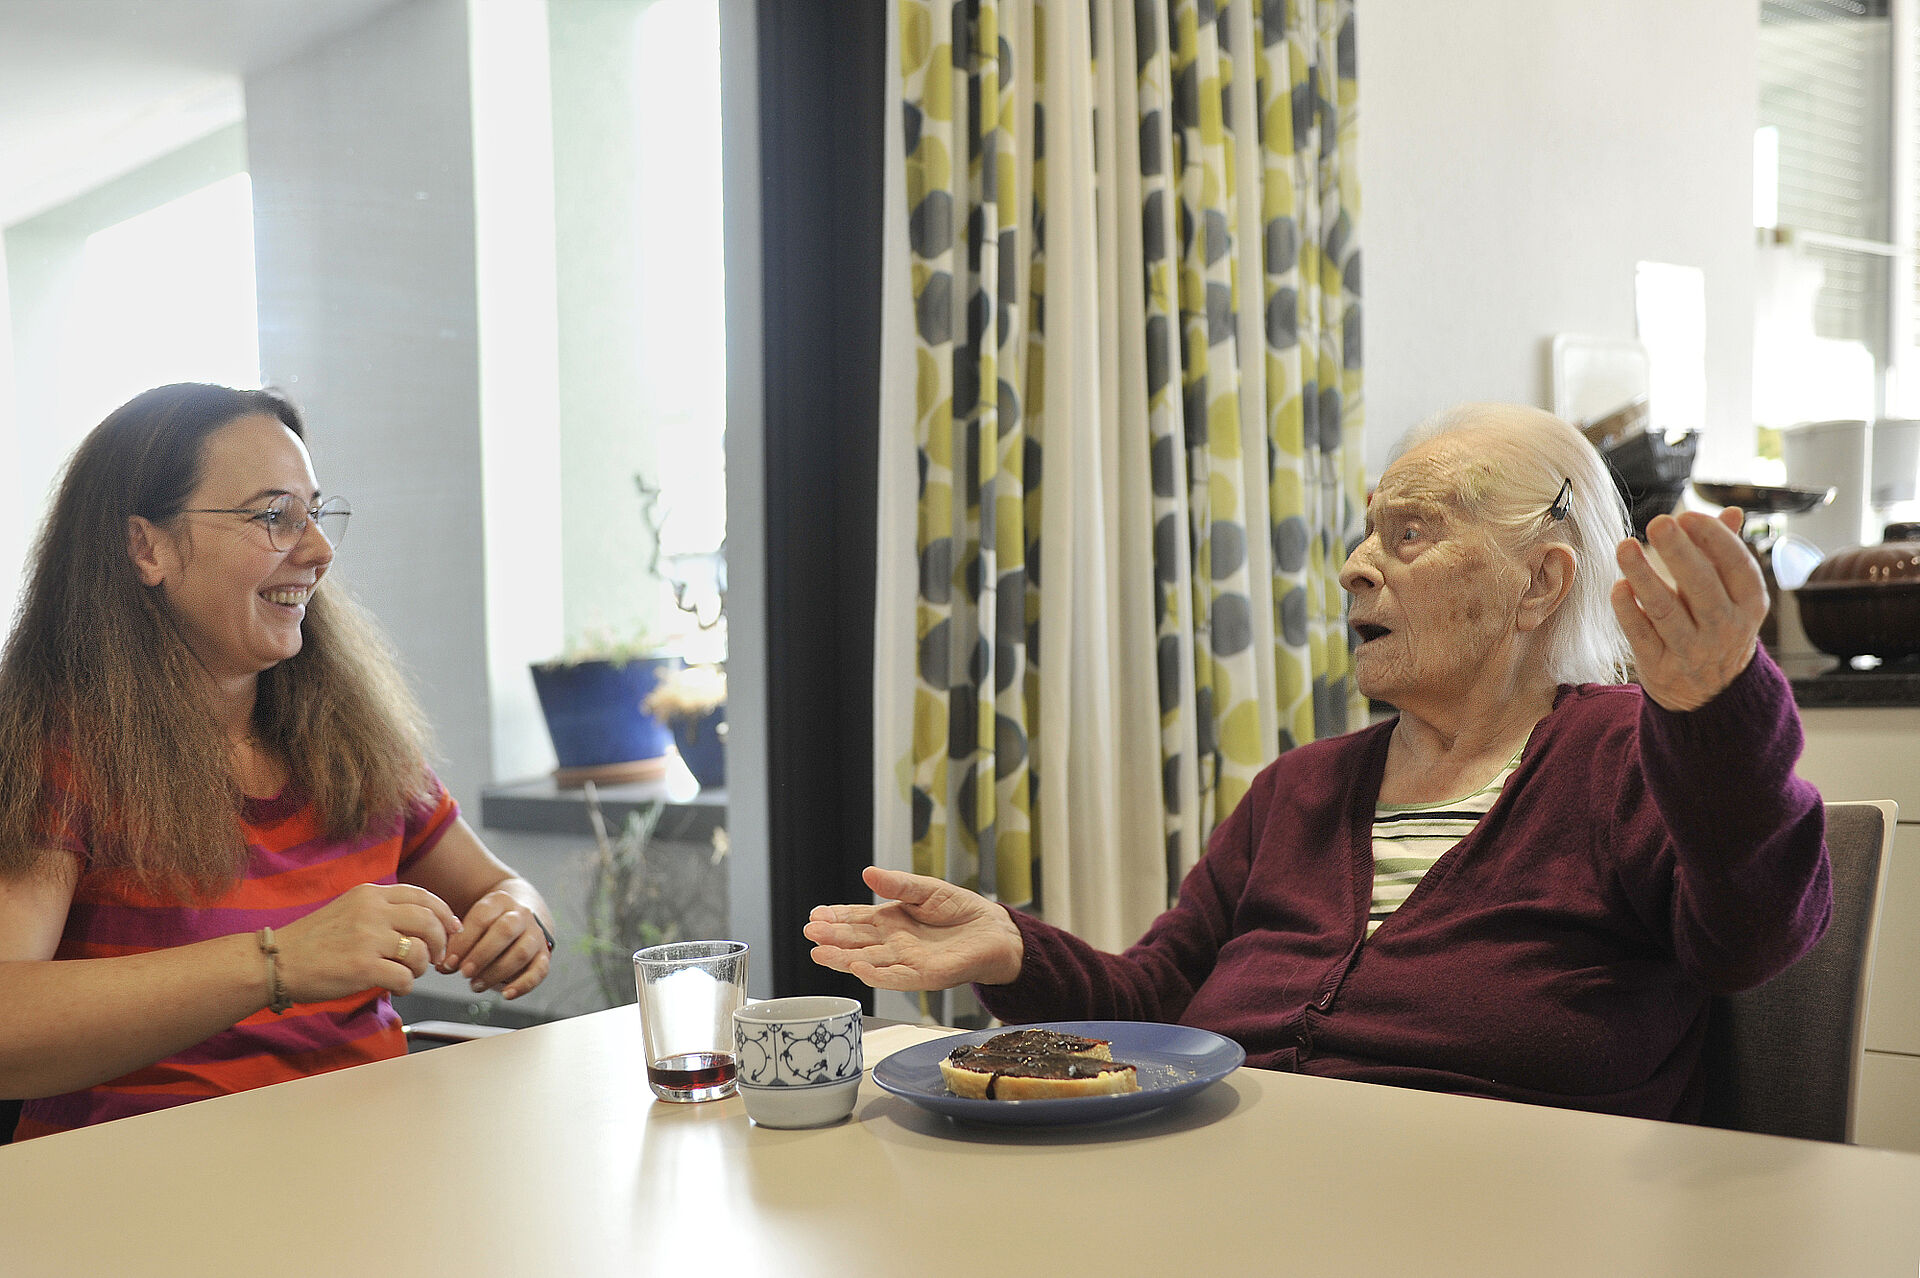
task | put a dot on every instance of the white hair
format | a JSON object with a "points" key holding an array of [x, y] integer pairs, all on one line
{"points": [[1508, 481]]}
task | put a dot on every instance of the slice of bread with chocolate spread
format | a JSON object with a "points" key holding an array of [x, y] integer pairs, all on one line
{"points": [[1036, 1064]]}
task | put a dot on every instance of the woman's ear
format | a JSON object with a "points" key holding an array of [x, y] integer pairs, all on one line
{"points": [[1549, 585], [151, 552]]}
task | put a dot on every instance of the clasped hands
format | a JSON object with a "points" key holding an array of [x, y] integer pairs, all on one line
{"points": [[354, 943], [1693, 637]]}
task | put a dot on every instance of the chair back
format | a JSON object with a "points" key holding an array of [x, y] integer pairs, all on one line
{"points": [[1784, 1058]]}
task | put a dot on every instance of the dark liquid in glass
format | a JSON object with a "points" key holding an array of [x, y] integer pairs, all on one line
{"points": [[693, 1076]]}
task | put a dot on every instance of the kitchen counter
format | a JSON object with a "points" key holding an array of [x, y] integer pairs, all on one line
{"points": [[1822, 681], [1818, 681]]}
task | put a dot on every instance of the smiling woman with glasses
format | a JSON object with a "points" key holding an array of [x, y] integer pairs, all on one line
{"points": [[216, 791]]}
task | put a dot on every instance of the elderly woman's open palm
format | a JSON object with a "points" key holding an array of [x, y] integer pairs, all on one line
{"points": [[929, 935], [1691, 638]]}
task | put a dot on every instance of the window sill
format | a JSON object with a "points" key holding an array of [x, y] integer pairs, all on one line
{"points": [[538, 806]]}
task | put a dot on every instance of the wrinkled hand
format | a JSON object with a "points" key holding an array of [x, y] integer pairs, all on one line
{"points": [[499, 946], [1691, 639], [352, 943], [930, 935]]}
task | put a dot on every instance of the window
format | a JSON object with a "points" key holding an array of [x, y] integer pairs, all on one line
{"points": [[1825, 192], [166, 296], [636, 104], [683, 321], [147, 278]]}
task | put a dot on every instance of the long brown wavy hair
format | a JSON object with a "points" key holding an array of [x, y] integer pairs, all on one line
{"points": [[97, 680]]}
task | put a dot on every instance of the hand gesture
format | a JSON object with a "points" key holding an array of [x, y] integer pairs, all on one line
{"points": [[930, 935], [499, 946], [1692, 638], [354, 942]]}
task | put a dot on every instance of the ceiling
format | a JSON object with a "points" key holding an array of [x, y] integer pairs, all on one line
{"points": [[92, 88]]}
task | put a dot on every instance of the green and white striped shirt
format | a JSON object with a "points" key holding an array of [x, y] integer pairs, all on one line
{"points": [[1409, 838]]}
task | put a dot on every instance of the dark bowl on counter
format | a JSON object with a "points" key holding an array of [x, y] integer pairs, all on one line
{"points": [[1866, 601], [1761, 499]]}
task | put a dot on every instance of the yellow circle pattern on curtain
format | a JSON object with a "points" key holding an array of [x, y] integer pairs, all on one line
{"points": [[1230, 750], [1174, 593], [980, 396], [971, 722], [926, 63]]}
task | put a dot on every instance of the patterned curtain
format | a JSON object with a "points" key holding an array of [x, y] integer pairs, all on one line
{"points": [[1121, 395]]}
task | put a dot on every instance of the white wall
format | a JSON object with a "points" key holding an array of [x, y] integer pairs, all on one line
{"points": [[43, 278], [361, 151], [14, 507], [749, 783], [45, 411], [1517, 157]]}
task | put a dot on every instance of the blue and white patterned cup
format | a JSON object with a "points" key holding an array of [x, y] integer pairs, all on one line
{"points": [[799, 1059]]}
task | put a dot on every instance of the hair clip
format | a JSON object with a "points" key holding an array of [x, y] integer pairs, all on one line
{"points": [[1562, 503]]}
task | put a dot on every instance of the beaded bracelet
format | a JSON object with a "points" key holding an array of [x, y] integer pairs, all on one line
{"points": [[277, 1000]]}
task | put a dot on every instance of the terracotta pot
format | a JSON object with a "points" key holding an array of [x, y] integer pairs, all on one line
{"points": [[1866, 601]]}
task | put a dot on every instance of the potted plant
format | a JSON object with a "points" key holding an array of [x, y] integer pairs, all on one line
{"points": [[599, 697], [692, 702], [593, 699]]}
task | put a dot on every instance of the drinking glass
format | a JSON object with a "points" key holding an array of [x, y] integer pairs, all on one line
{"points": [[688, 992]]}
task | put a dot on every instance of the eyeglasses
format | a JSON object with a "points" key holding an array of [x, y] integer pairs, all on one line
{"points": [[1562, 503], [286, 518]]}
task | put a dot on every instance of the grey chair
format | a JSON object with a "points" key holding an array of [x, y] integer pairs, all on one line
{"points": [[426, 1035], [1784, 1058]]}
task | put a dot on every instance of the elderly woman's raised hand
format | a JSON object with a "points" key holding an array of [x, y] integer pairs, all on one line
{"points": [[1691, 638], [929, 935]]}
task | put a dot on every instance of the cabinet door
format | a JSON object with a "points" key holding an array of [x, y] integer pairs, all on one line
{"points": [[1887, 1114], [1874, 753], [1866, 753], [1893, 1005]]}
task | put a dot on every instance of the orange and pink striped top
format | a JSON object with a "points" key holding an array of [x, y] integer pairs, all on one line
{"points": [[292, 869]]}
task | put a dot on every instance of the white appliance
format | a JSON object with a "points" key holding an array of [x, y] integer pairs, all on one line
{"points": [[1829, 455], [1894, 479], [1594, 375]]}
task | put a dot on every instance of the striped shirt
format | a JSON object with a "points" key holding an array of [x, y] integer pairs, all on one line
{"points": [[1409, 837], [292, 869]]}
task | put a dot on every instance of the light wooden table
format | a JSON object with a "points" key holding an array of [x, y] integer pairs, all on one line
{"points": [[542, 1153]]}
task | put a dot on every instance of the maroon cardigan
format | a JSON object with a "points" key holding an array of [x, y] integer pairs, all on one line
{"points": [[1562, 953]]}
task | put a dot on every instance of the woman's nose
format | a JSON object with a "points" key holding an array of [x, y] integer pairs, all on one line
{"points": [[313, 546], [1358, 572]]}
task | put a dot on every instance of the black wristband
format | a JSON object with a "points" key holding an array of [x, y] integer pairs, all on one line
{"points": [[543, 931]]}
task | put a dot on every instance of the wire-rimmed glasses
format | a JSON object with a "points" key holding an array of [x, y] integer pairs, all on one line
{"points": [[286, 518]]}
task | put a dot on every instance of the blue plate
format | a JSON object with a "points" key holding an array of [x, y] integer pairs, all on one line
{"points": [[1174, 1061]]}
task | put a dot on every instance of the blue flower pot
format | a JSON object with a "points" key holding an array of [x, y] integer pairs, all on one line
{"points": [[593, 710], [703, 744]]}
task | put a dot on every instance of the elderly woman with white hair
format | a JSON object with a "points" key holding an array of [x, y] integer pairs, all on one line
{"points": [[1524, 886]]}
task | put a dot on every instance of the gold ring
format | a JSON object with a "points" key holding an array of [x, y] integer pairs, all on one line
{"points": [[406, 948]]}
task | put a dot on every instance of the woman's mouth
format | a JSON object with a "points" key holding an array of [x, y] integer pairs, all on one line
{"points": [[287, 596], [1369, 632]]}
